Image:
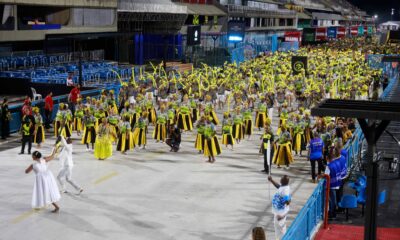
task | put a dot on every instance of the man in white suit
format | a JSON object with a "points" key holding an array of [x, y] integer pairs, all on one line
{"points": [[67, 164]]}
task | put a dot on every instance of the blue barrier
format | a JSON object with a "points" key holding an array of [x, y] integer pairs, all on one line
{"points": [[309, 216], [306, 222]]}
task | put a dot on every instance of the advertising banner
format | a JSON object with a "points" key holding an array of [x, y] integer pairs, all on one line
{"points": [[332, 32], [321, 34]]}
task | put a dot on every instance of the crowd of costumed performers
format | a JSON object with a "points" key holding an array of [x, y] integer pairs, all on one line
{"points": [[224, 106]]}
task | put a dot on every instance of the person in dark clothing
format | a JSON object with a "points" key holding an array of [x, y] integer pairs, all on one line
{"points": [[174, 138], [26, 131], [267, 139], [316, 154], [5, 119], [385, 82]]}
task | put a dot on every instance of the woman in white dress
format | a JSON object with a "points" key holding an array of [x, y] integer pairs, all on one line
{"points": [[45, 189]]}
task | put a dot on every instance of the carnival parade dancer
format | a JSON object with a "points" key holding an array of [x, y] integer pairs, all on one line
{"points": [[113, 120], [261, 117], [139, 133], [283, 154], [151, 112], [45, 189], [38, 135], [248, 122], [238, 127], [160, 130], [78, 116], [227, 138], [89, 132], [211, 144], [103, 147], [299, 139], [184, 119], [62, 126], [267, 144], [209, 111], [125, 139], [67, 164], [199, 143], [194, 109]]}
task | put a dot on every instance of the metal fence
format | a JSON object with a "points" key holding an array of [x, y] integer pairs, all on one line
{"points": [[306, 222], [309, 216]]}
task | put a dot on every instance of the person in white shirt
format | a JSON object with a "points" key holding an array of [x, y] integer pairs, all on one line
{"points": [[280, 205], [70, 80], [67, 164]]}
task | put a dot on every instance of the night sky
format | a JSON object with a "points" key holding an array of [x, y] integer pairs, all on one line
{"points": [[380, 7]]}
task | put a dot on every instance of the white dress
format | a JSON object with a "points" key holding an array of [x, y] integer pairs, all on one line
{"points": [[45, 189]]}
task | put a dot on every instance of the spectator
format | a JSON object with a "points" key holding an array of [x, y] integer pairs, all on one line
{"points": [[333, 169], [73, 97], [48, 109], [316, 149], [70, 79], [280, 205], [258, 233], [5, 119], [27, 106], [385, 82]]}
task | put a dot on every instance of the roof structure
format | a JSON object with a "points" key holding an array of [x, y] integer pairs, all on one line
{"points": [[358, 109]]}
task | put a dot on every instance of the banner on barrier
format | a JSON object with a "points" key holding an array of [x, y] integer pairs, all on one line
{"points": [[354, 31], [332, 32], [320, 34], [308, 35], [341, 32], [360, 30], [293, 36]]}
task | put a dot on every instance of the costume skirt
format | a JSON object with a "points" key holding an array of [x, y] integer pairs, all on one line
{"points": [[283, 154], [199, 143], [139, 136], [125, 142], [39, 136], [89, 135], [211, 147], [185, 122], [103, 147], [227, 139], [160, 132]]}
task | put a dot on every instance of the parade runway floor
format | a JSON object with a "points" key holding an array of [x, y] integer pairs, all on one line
{"points": [[150, 194]]}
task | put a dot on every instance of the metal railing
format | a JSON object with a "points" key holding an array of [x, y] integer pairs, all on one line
{"points": [[309, 216]]}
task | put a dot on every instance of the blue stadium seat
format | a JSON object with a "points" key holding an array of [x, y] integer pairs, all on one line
{"points": [[348, 201]]}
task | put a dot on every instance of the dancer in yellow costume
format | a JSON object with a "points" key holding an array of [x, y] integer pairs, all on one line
{"points": [[184, 117], [103, 146], [160, 130], [139, 133], [199, 143], [89, 132], [39, 129], [283, 154], [227, 138], [211, 144], [125, 139]]}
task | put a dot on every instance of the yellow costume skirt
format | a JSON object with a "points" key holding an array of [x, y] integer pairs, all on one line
{"points": [[160, 132], [299, 142], [139, 136], [227, 139], [185, 122], [214, 117], [125, 142], [199, 143], [78, 126], [211, 147], [65, 131], [261, 119], [89, 135], [238, 131], [195, 115], [248, 127], [103, 147], [39, 136], [283, 154], [152, 115], [114, 130]]}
